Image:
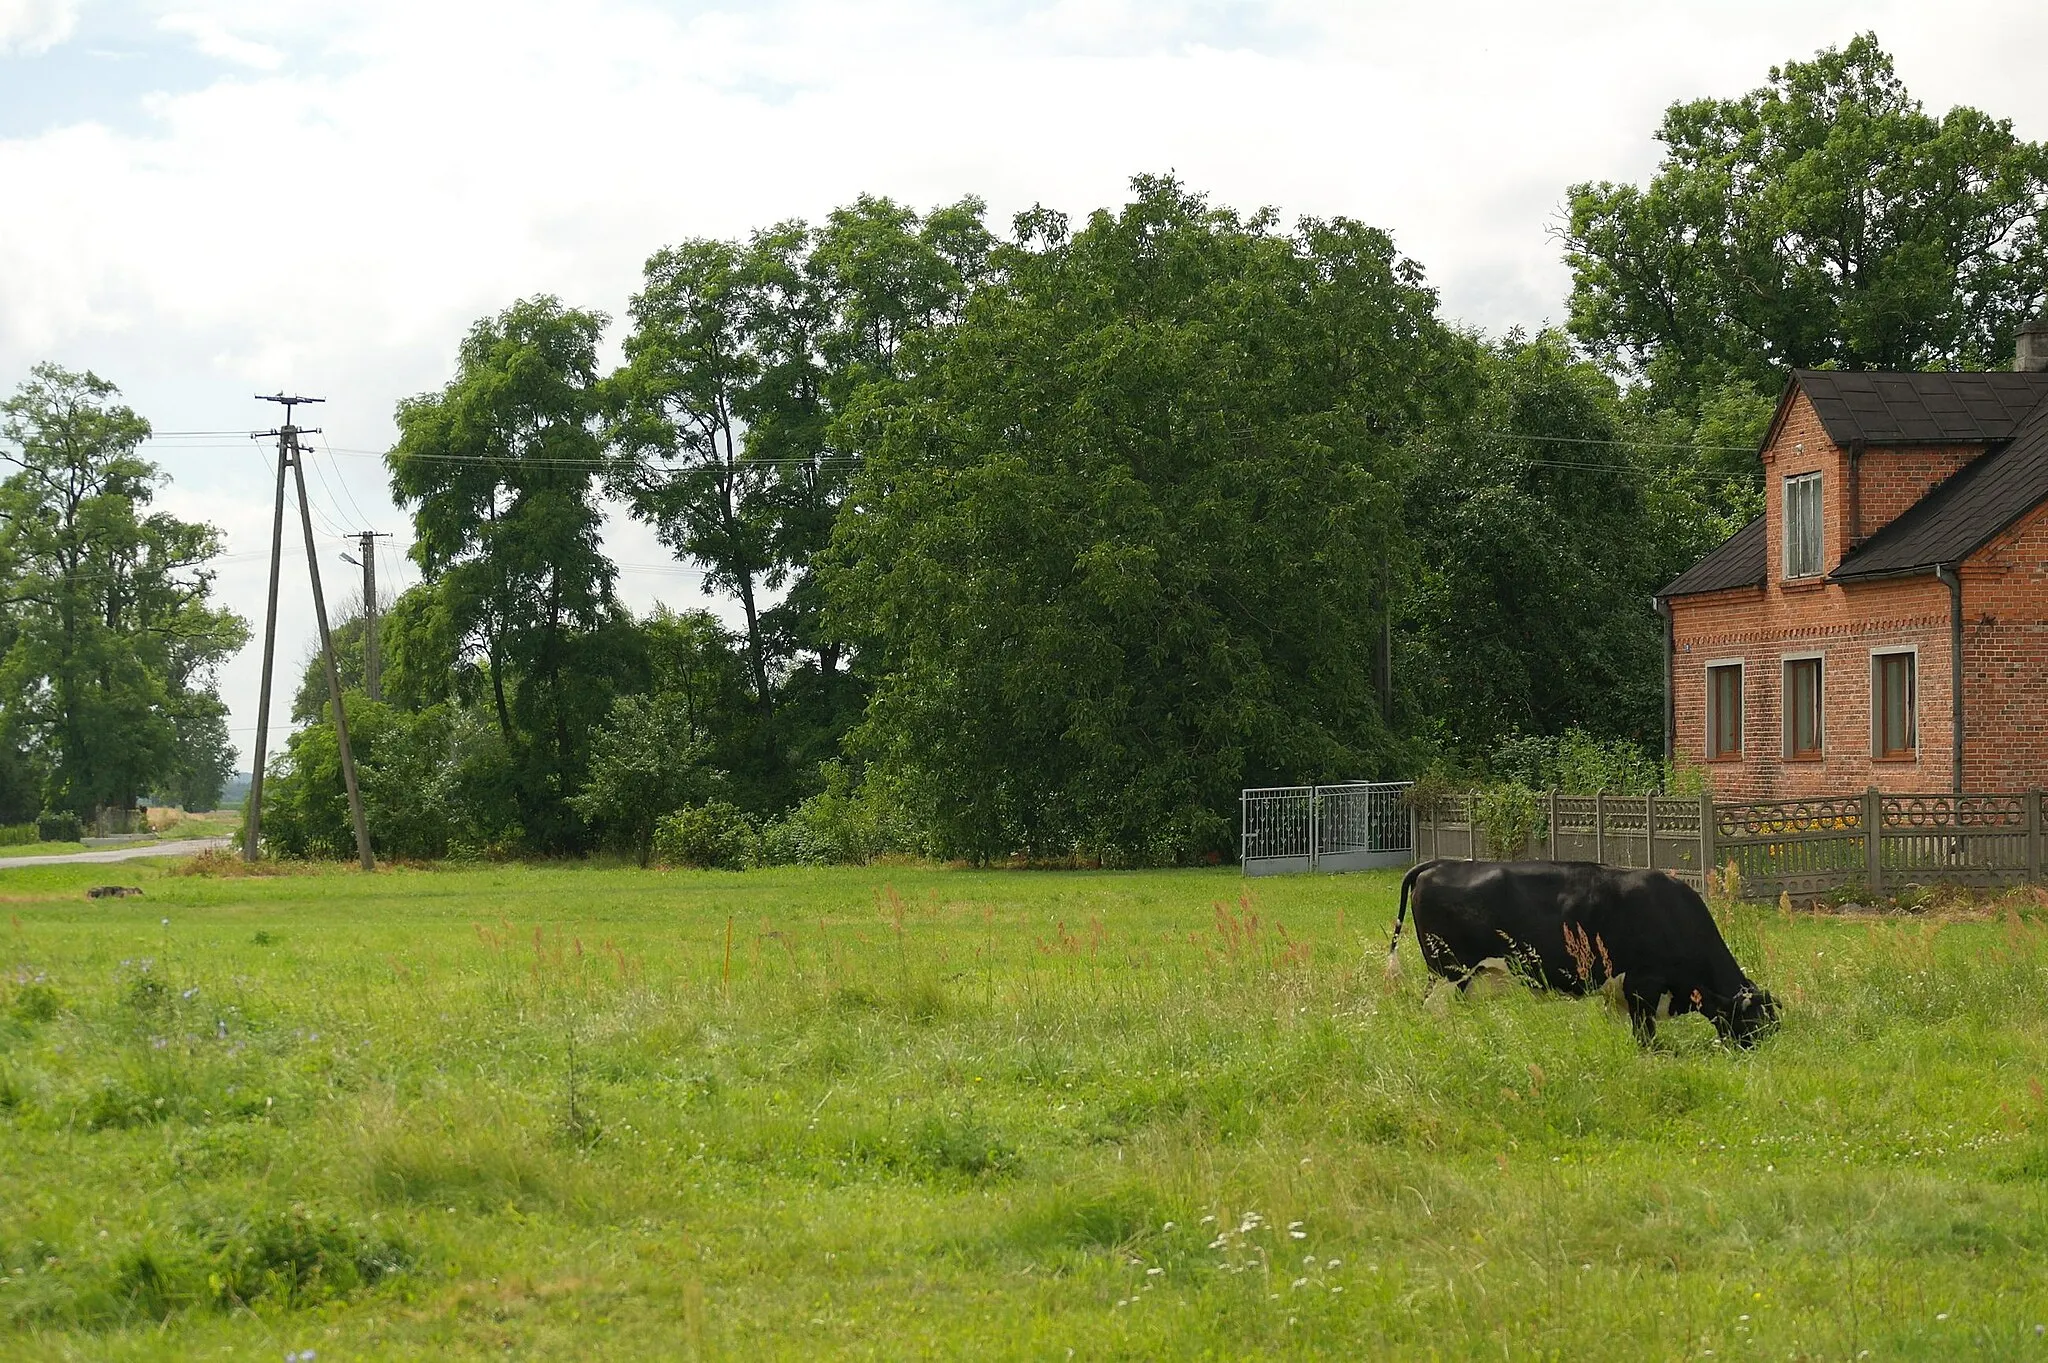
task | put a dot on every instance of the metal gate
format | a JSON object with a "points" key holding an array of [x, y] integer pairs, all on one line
{"points": [[1351, 827]]}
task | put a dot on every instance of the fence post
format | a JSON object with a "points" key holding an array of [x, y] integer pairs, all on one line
{"points": [[2035, 854], [1600, 826], [1314, 828], [1707, 830], [1650, 831], [1551, 824], [1873, 841]]}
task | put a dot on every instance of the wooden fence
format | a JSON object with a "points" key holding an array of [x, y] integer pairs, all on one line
{"points": [[1654, 832], [1873, 841]]}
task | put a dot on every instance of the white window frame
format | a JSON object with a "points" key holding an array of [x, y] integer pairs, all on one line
{"points": [[1741, 666], [1820, 702], [1786, 489], [1913, 712]]}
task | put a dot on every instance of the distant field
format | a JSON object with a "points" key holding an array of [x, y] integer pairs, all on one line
{"points": [[899, 1112]]}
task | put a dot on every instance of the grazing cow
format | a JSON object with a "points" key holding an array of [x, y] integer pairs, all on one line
{"points": [[1579, 927]]}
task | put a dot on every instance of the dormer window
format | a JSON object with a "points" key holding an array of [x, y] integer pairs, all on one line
{"points": [[1802, 525]]}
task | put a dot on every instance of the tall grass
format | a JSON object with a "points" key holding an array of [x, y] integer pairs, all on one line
{"points": [[582, 1113]]}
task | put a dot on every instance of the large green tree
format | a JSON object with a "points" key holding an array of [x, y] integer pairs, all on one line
{"points": [[679, 430], [501, 470], [1543, 514], [1824, 219], [1113, 545], [725, 437], [112, 640]]}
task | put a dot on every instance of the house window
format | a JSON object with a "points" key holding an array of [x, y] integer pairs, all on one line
{"points": [[1802, 707], [1893, 731], [1724, 710], [1802, 525]]}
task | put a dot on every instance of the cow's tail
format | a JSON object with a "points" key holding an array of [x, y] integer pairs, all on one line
{"points": [[1400, 917]]}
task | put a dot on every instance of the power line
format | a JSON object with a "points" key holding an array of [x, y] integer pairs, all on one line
{"points": [[1633, 444], [362, 516]]}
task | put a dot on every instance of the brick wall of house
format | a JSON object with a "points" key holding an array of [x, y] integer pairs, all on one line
{"points": [[2005, 660], [1802, 446], [1760, 628], [1889, 479]]}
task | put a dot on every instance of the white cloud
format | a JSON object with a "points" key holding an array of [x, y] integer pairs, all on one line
{"points": [[212, 38], [425, 163], [28, 27]]}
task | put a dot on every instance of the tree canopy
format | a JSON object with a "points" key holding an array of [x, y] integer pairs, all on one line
{"points": [[110, 638], [501, 467], [1107, 555], [1823, 219]]}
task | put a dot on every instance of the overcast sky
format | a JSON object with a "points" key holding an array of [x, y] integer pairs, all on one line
{"points": [[205, 201]]}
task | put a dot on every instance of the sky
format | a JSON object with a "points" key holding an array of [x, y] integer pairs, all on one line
{"points": [[202, 202]]}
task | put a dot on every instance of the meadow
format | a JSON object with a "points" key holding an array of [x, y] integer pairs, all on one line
{"points": [[577, 1112]]}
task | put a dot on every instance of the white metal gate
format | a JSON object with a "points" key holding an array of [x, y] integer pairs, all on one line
{"points": [[1351, 827]]}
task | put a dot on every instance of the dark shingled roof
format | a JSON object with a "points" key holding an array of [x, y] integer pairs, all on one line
{"points": [[1881, 408], [1963, 514], [1739, 562]]}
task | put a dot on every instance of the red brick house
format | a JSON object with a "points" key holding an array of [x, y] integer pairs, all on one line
{"points": [[1885, 621]]}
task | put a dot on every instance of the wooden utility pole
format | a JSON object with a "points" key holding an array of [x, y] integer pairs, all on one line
{"points": [[373, 660], [252, 821], [290, 454]]}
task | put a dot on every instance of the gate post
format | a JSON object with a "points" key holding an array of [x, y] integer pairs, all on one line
{"points": [[1314, 828], [1600, 826], [1707, 831], [2035, 853], [1650, 831], [1873, 841]]}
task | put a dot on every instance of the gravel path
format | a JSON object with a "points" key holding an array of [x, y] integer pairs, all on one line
{"points": [[161, 849]]}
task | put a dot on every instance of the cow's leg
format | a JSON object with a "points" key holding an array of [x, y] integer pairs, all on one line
{"points": [[1644, 996]]}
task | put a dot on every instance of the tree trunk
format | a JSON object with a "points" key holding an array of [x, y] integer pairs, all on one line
{"points": [[754, 653], [498, 692]]}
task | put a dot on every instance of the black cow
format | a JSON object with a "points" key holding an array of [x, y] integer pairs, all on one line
{"points": [[1578, 927]]}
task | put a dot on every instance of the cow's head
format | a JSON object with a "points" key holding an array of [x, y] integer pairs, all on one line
{"points": [[1751, 1013]]}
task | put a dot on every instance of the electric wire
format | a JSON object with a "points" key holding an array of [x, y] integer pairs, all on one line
{"points": [[362, 517]]}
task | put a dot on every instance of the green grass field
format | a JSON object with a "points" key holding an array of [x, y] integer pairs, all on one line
{"points": [[903, 1112]]}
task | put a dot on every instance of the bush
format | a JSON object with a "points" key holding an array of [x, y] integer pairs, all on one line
{"points": [[1577, 763], [796, 841], [59, 825], [15, 834], [847, 823], [713, 836], [1509, 815]]}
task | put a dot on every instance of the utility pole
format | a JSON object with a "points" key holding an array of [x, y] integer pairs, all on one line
{"points": [[290, 455], [373, 660]]}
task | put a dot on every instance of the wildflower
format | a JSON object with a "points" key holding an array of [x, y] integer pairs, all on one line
{"points": [[1300, 1282], [1941, 1315], [1154, 1271], [1165, 1228]]}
